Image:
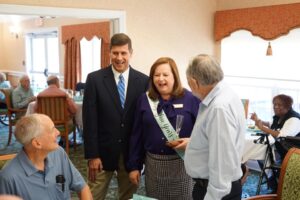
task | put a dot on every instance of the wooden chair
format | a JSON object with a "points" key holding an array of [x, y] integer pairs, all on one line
{"points": [[289, 181], [13, 114], [5, 158], [56, 108]]}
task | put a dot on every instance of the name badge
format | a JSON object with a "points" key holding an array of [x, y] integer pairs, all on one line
{"points": [[178, 105]]}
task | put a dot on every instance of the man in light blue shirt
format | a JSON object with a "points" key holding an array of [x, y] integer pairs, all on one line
{"points": [[213, 155], [23, 94], [42, 169]]}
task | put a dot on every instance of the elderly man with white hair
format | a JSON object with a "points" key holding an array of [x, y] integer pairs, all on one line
{"points": [[42, 169], [214, 153], [23, 94]]}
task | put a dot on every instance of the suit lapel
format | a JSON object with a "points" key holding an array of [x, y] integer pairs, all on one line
{"points": [[110, 85]]}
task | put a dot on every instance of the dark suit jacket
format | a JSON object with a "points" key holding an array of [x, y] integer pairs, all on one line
{"points": [[106, 126]]}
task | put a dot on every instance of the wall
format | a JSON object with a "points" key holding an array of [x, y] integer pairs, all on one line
{"points": [[1, 45], [175, 28]]}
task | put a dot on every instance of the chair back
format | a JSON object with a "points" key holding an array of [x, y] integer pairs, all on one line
{"points": [[55, 107], [7, 92], [289, 180], [13, 114]]}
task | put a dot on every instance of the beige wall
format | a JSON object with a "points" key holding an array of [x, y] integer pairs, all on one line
{"points": [[1, 47], [233, 4], [175, 28]]}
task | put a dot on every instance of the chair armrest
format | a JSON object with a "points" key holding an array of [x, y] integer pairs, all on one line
{"points": [[264, 197]]}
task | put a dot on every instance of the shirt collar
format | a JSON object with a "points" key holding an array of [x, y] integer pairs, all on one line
{"points": [[117, 74], [213, 93], [27, 165]]}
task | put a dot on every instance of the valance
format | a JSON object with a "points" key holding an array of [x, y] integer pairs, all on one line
{"points": [[268, 22], [88, 31]]}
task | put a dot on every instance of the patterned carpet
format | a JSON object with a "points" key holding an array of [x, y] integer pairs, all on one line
{"points": [[77, 158]]}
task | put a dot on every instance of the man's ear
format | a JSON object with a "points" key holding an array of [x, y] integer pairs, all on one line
{"points": [[36, 144]]}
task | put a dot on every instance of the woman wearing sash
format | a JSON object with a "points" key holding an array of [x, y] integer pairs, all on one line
{"points": [[154, 126]]}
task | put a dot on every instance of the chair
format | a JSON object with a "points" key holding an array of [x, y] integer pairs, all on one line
{"points": [[269, 161], [289, 181], [5, 158], [56, 108], [79, 86], [13, 114]]}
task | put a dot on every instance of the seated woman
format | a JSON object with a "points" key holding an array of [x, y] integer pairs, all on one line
{"points": [[286, 121]]}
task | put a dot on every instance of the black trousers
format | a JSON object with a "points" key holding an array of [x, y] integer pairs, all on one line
{"points": [[200, 189]]}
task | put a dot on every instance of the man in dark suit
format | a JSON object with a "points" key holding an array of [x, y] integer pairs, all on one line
{"points": [[108, 112]]}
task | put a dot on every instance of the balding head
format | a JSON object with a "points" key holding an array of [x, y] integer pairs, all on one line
{"points": [[53, 80]]}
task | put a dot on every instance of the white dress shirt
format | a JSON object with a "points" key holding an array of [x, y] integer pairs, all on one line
{"points": [[125, 76], [217, 141]]}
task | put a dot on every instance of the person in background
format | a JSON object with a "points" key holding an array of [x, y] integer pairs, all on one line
{"points": [[54, 90], [286, 122], [165, 176], [109, 104], [42, 169], [3, 84], [23, 94], [214, 153]]}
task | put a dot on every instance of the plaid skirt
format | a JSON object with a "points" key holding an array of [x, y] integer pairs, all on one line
{"points": [[165, 178]]}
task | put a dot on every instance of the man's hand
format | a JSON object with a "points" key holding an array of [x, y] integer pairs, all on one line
{"points": [[95, 166], [134, 177]]}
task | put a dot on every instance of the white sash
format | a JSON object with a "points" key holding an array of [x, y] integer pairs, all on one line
{"points": [[164, 124]]}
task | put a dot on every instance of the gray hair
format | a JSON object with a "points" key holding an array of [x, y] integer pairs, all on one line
{"points": [[52, 80], [205, 69], [2, 77], [29, 127]]}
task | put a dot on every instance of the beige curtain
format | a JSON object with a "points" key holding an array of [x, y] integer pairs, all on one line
{"points": [[268, 22], [71, 36]]}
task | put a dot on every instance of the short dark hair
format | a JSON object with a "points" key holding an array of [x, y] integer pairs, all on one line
{"points": [[286, 100], [120, 39], [177, 91]]}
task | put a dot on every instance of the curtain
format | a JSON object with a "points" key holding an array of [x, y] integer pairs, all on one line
{"points": [[268, 22], [71, 36]]}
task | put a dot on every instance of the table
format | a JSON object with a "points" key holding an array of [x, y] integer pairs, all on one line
{"points": [[253, 151]]}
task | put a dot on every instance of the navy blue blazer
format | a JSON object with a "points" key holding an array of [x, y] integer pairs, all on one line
{"points": [[106, 126]]}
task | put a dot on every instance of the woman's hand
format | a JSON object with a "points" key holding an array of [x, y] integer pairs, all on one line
{"points": [[134, 177], [254, 117], [180, 143]]}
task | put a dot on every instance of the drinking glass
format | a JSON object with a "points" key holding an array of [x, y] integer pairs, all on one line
{"points": [[179, 122]]}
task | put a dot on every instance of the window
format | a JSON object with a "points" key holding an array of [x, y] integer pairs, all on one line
{"points": [[90, 56], [258, 77], [42, 55]]}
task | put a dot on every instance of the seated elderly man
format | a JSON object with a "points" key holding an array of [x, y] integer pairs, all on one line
{"points": [[3, 84], [54, 90], [23, 94], [42, 169]]}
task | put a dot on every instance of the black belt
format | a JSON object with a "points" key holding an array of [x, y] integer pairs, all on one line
{"points": [[201, 182], [204, 182]]}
